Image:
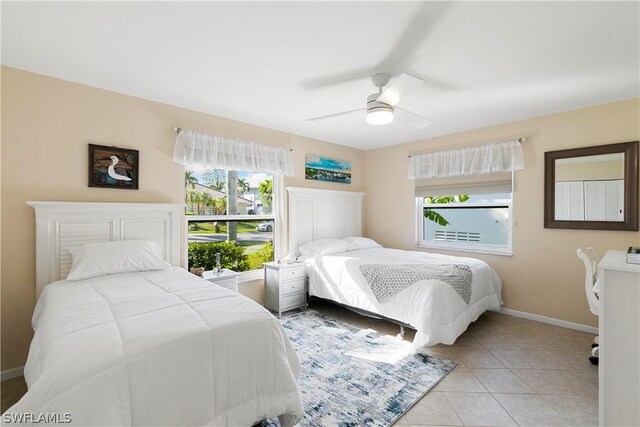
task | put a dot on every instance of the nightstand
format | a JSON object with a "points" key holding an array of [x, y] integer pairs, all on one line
{"points": [[285, 286], [226, 278]]}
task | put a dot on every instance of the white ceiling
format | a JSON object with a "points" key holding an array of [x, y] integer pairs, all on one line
{"points": [[266, 62]]}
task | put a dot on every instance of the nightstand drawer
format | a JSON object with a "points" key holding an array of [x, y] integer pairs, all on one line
{"points": [[225, 278], [231, 283], [292, 286], [291, 273], [292, 300]]}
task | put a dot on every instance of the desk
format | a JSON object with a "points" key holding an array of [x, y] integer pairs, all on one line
{"points": [[619, 369]]}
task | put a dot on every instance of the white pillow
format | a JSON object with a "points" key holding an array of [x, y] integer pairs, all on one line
{"points": [[120, 256], [356, 243], [323, 247]]}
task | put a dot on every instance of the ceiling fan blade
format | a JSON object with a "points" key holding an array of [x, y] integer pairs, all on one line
{"points": [[434, 85], [330, 116], [412, 119], [426, 18], [399, 88], [338, 78], [423, 22]]}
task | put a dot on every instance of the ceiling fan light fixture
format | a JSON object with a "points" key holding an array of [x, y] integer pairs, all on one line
{"points": [[380, 115]]}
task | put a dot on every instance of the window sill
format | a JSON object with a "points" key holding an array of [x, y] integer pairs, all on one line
{"points": [[504, 252], [224, 218]]}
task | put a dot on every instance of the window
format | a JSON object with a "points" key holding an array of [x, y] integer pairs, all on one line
{"points": [[468, 222], [231, 213], [464, 196]]}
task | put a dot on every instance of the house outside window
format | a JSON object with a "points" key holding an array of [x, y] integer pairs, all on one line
{"points": [[231, 213], [466, 222], [464, 197]]}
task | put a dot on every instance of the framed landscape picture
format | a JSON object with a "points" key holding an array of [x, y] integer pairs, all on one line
{"points": [[321, 168], [113, 167]]}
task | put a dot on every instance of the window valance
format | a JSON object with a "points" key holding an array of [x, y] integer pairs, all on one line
{"points": [[491, 183], [202, 149], [481, 159]]}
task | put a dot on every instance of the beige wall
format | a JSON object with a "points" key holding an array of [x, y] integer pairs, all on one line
{"points": [[47, 124], [543, 276]]}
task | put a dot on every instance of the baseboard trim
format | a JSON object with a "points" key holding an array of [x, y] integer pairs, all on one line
{"points": [[11, 373], [549, 320]]}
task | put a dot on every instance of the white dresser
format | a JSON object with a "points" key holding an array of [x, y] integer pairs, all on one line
{"points": [[285, 286], [619, 369]]}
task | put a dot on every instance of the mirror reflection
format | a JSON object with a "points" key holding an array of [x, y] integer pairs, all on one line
{"points": [[590, 188]]}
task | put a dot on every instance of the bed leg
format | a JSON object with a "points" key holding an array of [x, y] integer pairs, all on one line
{"points": [[400, 336]]}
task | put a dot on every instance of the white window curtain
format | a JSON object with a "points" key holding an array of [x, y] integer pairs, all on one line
{"points": [[481, 159], [202, 149]]}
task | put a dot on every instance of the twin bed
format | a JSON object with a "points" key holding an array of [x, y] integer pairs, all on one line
{"points": [[126, 343], [135, 340], [160, 347]]}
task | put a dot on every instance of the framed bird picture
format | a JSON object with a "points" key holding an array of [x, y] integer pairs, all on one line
{"points": [[113, 167]]}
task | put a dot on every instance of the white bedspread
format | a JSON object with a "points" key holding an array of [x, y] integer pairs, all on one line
{"points": [[432, 307], [158, 348]]}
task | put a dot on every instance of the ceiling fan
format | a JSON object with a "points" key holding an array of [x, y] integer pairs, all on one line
{"points": [[382, 107], [385, 106]]}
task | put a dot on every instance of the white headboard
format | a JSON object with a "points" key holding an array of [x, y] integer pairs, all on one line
{"points": [[64, 225], [322, 214]]}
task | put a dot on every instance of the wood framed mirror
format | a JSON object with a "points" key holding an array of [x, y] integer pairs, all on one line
{"points": [[592, 188]]}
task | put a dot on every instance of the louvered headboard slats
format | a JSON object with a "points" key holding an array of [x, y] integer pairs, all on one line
{"points": [[320, 214], [74, 234], [352, 218], [61, 226], [305, 221]]}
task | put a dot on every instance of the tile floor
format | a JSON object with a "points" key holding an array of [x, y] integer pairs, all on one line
{"points": [[510, 372]]}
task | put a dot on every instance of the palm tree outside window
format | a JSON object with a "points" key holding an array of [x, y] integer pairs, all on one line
{"points": [[230, 208]]}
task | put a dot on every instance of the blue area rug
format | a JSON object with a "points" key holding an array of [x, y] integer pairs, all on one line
{"points": [[356, 377]]}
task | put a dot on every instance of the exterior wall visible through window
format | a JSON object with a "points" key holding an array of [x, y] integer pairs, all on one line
{"points": [[467, 222]]}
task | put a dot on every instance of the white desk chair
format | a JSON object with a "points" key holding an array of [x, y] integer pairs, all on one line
{"points": [[592, 287]]}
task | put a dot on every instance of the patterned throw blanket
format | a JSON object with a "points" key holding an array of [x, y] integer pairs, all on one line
{"points": [[386, 280]]}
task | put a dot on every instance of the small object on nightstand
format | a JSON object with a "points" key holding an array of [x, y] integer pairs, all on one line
{"points": [[285, 286], [225, 278], [198, 271], [218, 265], [633, 255]]}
